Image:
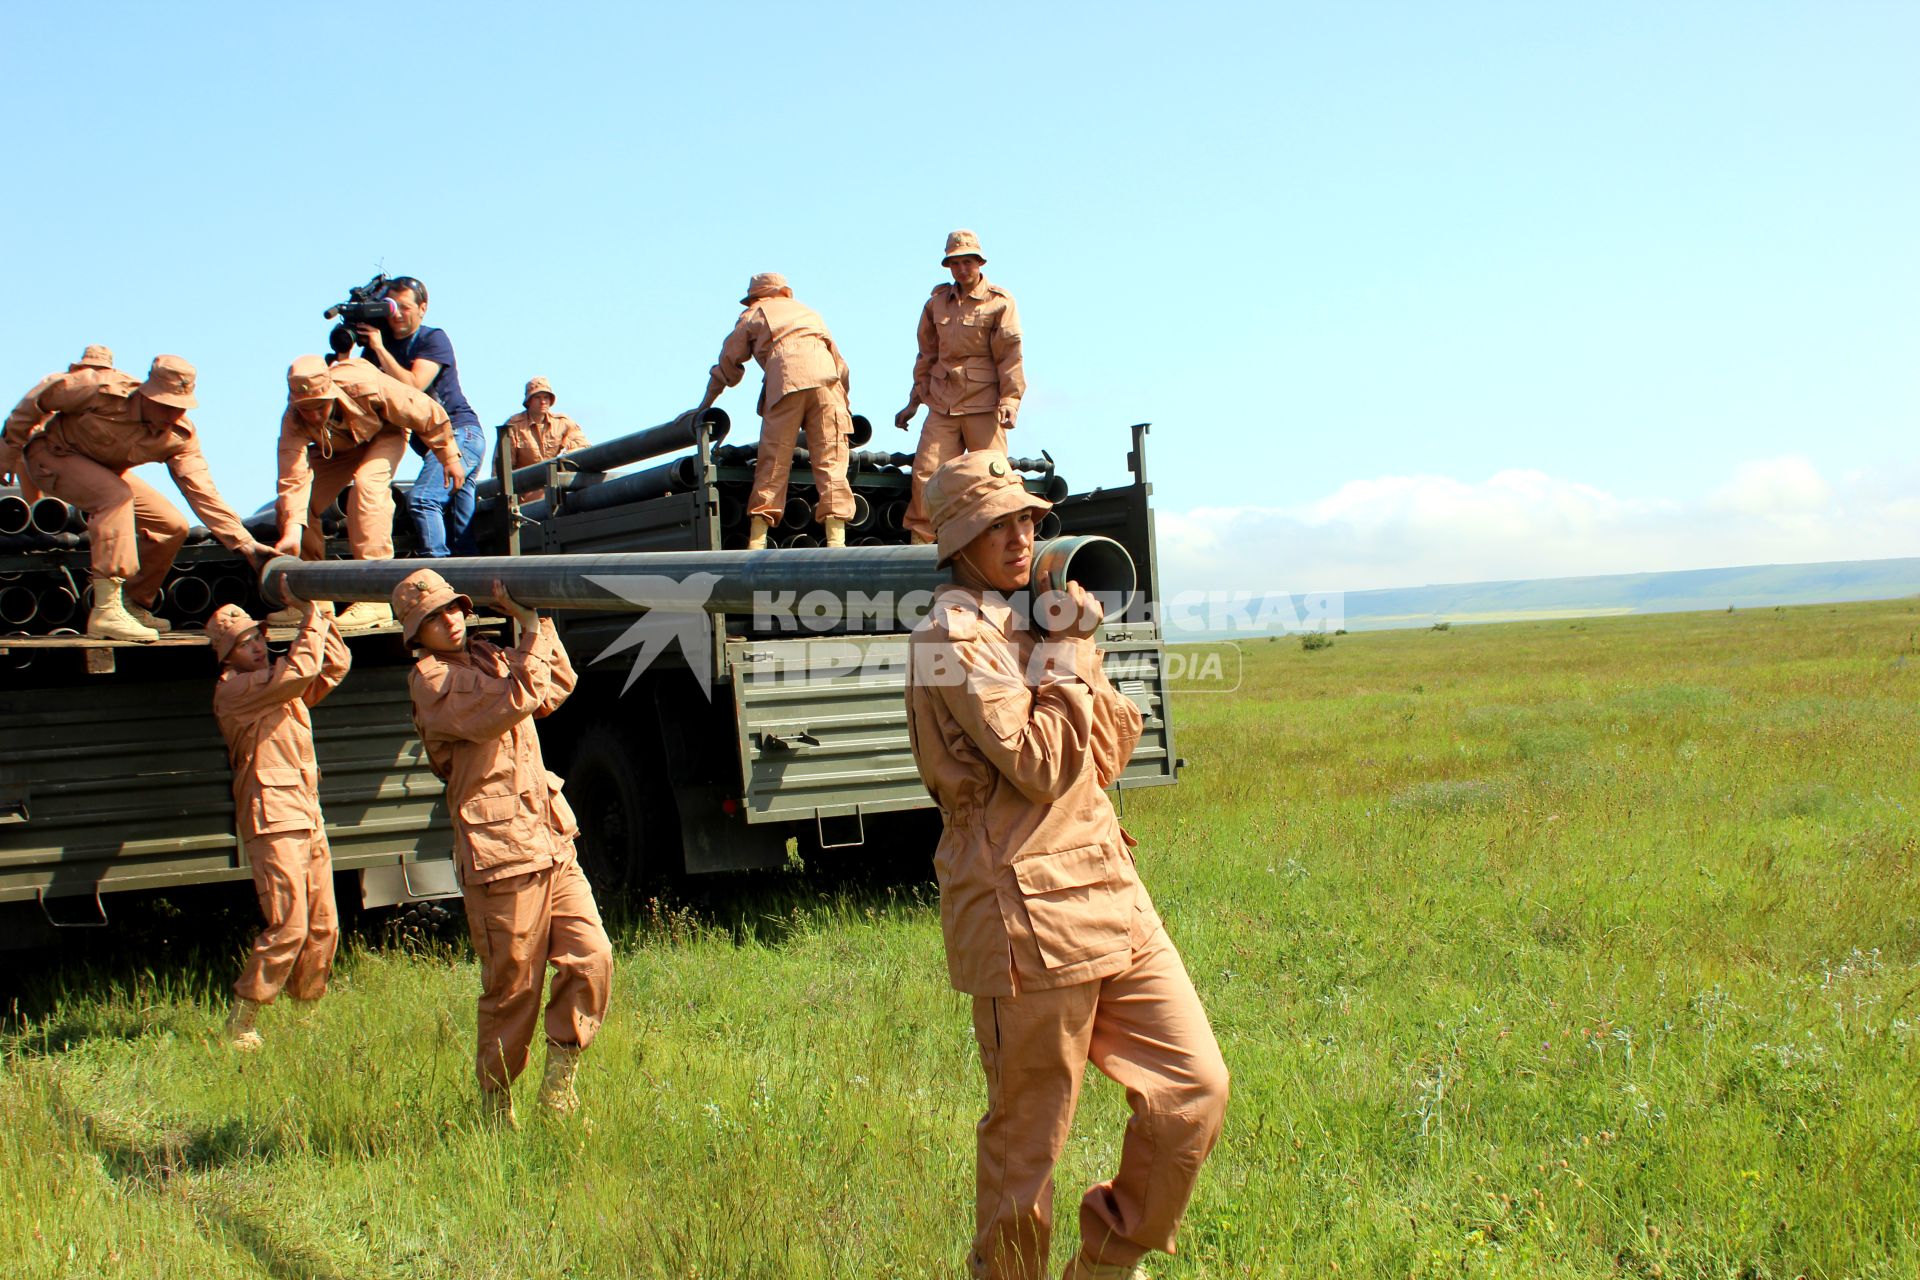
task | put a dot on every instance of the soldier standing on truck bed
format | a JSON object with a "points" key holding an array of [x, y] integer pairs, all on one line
{"points": [[537, 433], [968, 372], [349, 422], [805, 389], [79, 435], [528, 904], [1047, 925], [262, 707]]}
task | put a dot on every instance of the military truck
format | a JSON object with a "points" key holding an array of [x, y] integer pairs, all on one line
{"points": [[768, 745]]}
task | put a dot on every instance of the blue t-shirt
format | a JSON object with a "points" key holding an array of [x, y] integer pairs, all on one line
{"points": [[434, 345]]}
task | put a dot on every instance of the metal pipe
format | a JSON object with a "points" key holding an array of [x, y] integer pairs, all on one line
{"points": [[1099, 564], [676, 476], [16, 513], [801, 542], [1052, 488], [733, 510], [714, 581], [192, 595], [798, 514], [1048, 528], [862, 512], [18, 605], [681, 433], [56, 606], [51, 515], [230, 588], [895, 516], [19, 659], [33, 540]]}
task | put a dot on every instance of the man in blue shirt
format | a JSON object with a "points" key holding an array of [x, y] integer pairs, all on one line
{"points": [[422, 358]]}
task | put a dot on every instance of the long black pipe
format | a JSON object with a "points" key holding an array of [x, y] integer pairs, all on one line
{"points": [[722, 582], [16, 513], [636, 446]]}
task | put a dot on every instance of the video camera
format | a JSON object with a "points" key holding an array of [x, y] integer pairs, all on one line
{"points": [[366, 304]]}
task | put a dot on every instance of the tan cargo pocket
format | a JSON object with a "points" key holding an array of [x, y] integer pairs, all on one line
{"points": [[558, 810], [1075, 909], [281, 799], [484, 810]]}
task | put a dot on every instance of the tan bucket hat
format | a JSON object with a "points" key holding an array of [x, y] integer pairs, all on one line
{"points": [[170, 382], [309, 378], [962, 244], [228, 627], [534, 387], [420, 595], [94, 357], [970, 492], [764, 285]]}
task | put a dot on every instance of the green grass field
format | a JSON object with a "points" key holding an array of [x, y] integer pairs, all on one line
{"points": [[1552, 949]]}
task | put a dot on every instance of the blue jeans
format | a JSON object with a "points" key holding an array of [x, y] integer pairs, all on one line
{"points": [[441, 518]]}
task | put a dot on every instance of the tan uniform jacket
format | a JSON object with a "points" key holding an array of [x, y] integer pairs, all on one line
{"points": [[791, 343], [969, 358], [263, 716], [475, 713], [374, 403], [92, 413], [552, 436], [33, 418], [1037, 882]]}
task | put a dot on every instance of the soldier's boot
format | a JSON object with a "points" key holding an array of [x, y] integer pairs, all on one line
{"points": [[556, 1090], [1081, 1269], [147, 618], [922, 539], [287, 617], [364, 613], [240, 1030], [109, 619], [757, 534], [496, 1108], [836, 531]]}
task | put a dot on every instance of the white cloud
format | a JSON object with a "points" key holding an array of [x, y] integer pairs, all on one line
{"points": [[1401, 531]]}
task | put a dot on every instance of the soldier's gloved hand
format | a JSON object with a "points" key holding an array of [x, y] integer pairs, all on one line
{"points": [[1073, 614], [513, 608]]}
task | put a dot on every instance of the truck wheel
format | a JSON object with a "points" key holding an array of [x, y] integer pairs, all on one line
{"points": [[628, 824]]}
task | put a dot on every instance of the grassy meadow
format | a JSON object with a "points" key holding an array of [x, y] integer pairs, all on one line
{"points": [[1555, 949]]}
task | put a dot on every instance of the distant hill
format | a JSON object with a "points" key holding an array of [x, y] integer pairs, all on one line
{"points": [[1744, 587]]}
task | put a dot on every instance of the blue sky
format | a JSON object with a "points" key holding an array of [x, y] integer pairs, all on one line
{"points": [[1411, 293]]}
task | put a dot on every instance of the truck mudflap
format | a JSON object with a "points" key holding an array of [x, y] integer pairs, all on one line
{"points": [[136, 793], [822, 724]]}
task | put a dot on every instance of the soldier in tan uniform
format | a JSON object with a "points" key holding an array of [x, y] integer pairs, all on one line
{"points": [[262, 707], [80, 435], [528, 904], [968, 373], [349, 422], [805, 390], [95, 357], [537, 433], [1047, 925]]}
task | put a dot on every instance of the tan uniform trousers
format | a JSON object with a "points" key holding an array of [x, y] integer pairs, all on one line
{"points": [[370, 516], [135, 533], [947, 435], [293, 874], [520, 925], [1145, 1029], [822, 412]]}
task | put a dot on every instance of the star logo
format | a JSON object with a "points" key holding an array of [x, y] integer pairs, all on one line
{"points": [[674, 610]]}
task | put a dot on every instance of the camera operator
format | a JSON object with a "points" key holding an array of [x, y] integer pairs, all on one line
{"points": [[422, 358]]}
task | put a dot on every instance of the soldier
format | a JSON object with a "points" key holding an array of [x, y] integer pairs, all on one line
{"points": [[968, 373], [805, 388], [349, 422], [528, 905], [262, 708], [95, 357], [99, 424], [1046, 922], [537, 433]]}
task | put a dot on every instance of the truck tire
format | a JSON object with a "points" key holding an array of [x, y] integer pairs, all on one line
{"points": [[629, 828]]}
